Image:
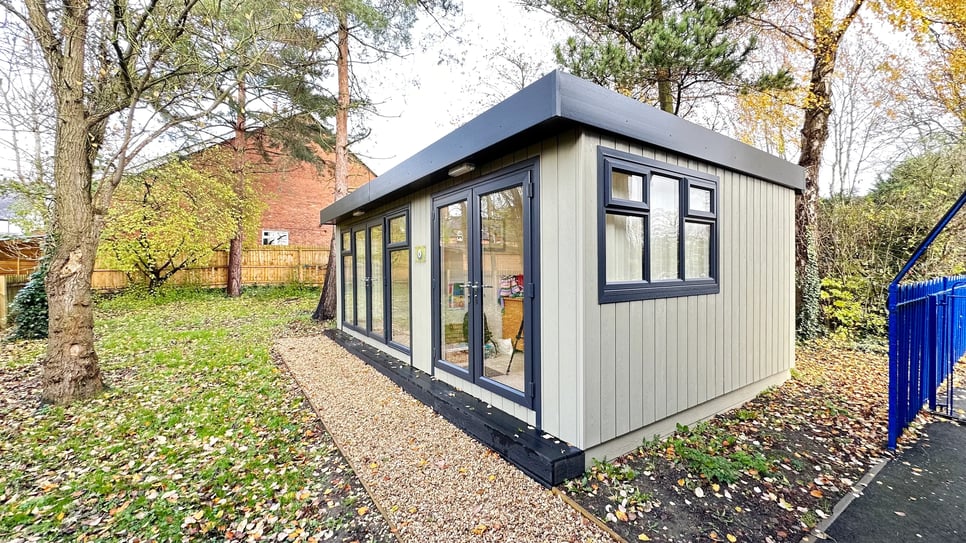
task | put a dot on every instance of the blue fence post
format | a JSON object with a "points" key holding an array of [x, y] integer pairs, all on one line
{"points": [[933, 349], [894, 425]]}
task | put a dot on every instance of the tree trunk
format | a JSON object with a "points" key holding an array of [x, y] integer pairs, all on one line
{"points": [[326, 308], [235, 245], [70, 369], [327, 300], [828, 36], [665, 99]]}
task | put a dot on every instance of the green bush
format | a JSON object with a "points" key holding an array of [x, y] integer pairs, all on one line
{"points": [[28, 311], [844, 315]]}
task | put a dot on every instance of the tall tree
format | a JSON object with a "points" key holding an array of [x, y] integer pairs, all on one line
{"points": [[670, 53], [327, 301], [121, 75], [379, 29], [939, 29], [281, 59], [817, 28]]}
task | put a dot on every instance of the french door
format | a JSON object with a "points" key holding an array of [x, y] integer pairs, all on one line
{"points": [[369, 284], [483, 285]]}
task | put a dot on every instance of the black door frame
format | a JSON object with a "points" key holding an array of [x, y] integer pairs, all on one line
{"points": [[365, 284], [525, 175]]}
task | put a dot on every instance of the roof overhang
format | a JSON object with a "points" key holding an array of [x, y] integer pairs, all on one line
{"points": [[550, 104]]}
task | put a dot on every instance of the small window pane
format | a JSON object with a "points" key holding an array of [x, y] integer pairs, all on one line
{"points": [[625, 186], [624, 246], [348, 290], [699, 199], [346, 242], [362, 314], [399, 295], [376, 281], [664, 228], [697, 246], [397, 230]]}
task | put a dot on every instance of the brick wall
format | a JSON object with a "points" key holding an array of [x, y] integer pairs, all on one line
{"points": [[295, 191]]}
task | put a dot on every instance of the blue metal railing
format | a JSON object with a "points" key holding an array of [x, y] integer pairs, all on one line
{"points": [[926, 335]]}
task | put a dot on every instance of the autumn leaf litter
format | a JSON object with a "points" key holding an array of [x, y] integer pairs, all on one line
{"points": [[200, 437], [769, 471]]}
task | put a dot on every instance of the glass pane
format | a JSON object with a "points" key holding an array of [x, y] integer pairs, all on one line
{"points": [[399, 296], [502, 236], [361, 278], [377, 283], [397, 230], [663, 226], [699, 199], [453, 277], [348, 291], [626, 186], [346, 242], [697, 248], [624, 247]]}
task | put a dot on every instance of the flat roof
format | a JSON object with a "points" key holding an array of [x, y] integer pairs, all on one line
{"points": [[550, 104]]}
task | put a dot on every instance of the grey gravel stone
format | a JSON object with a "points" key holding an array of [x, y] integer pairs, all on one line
{"points": [[433, 481]]}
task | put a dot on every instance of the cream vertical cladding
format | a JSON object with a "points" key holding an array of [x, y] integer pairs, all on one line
{"points": [[552, 296], [591, 363], [562, 249], [421, 233]]}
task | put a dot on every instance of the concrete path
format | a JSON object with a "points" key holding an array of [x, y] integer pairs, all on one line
{"points": [[919, 496]]}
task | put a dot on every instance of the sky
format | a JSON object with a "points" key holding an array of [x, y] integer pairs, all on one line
{"points": [[421, 99]]}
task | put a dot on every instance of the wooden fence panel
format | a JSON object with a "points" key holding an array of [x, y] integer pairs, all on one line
{"points": [[10, 285], [268, 265]]}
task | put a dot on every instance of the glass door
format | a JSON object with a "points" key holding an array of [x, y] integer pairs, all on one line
{"points": [[481, 269], [455, 301], [368, 266]]}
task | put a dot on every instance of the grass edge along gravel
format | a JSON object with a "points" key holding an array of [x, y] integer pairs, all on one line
{"points": [[201, 436]]}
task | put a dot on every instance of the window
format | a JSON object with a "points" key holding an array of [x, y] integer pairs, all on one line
{"points": [[657, 230], [375, 278], [274, 237]]}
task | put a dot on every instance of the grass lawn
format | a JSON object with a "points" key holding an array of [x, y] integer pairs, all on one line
{"points": [[201, 436]]}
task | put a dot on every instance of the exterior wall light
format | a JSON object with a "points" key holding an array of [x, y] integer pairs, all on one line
{"points": [[465, 167]]}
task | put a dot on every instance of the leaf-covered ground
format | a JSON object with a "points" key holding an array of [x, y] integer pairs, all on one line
{"points": [[766, 472], [201, 436]]}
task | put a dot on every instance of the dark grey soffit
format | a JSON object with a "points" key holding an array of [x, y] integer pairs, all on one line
{"points": [[555, 100]]}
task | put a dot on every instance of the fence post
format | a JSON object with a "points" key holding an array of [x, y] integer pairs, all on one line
{"points": [[932, 335], [299, 263], [894, 424], [4, 300]]}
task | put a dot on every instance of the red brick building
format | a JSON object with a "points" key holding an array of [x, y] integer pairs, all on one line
{"points": [[294, 191]]}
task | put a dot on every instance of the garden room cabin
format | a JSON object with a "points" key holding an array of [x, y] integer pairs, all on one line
{"points": [[586, 266]]}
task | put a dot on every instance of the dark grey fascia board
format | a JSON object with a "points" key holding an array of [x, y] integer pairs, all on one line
{"points": [[524, 110], [597, 107], [559, 96]]}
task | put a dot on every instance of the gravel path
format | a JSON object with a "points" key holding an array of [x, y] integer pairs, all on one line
{"points": [[433, 481]]}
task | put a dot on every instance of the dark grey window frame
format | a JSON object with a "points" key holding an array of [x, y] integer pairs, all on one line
{"points": [[365, 224], [610, 160], [527, 174]]}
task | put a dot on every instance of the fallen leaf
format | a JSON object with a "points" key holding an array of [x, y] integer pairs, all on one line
{"points": [[643, 537], [731, 538]]}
